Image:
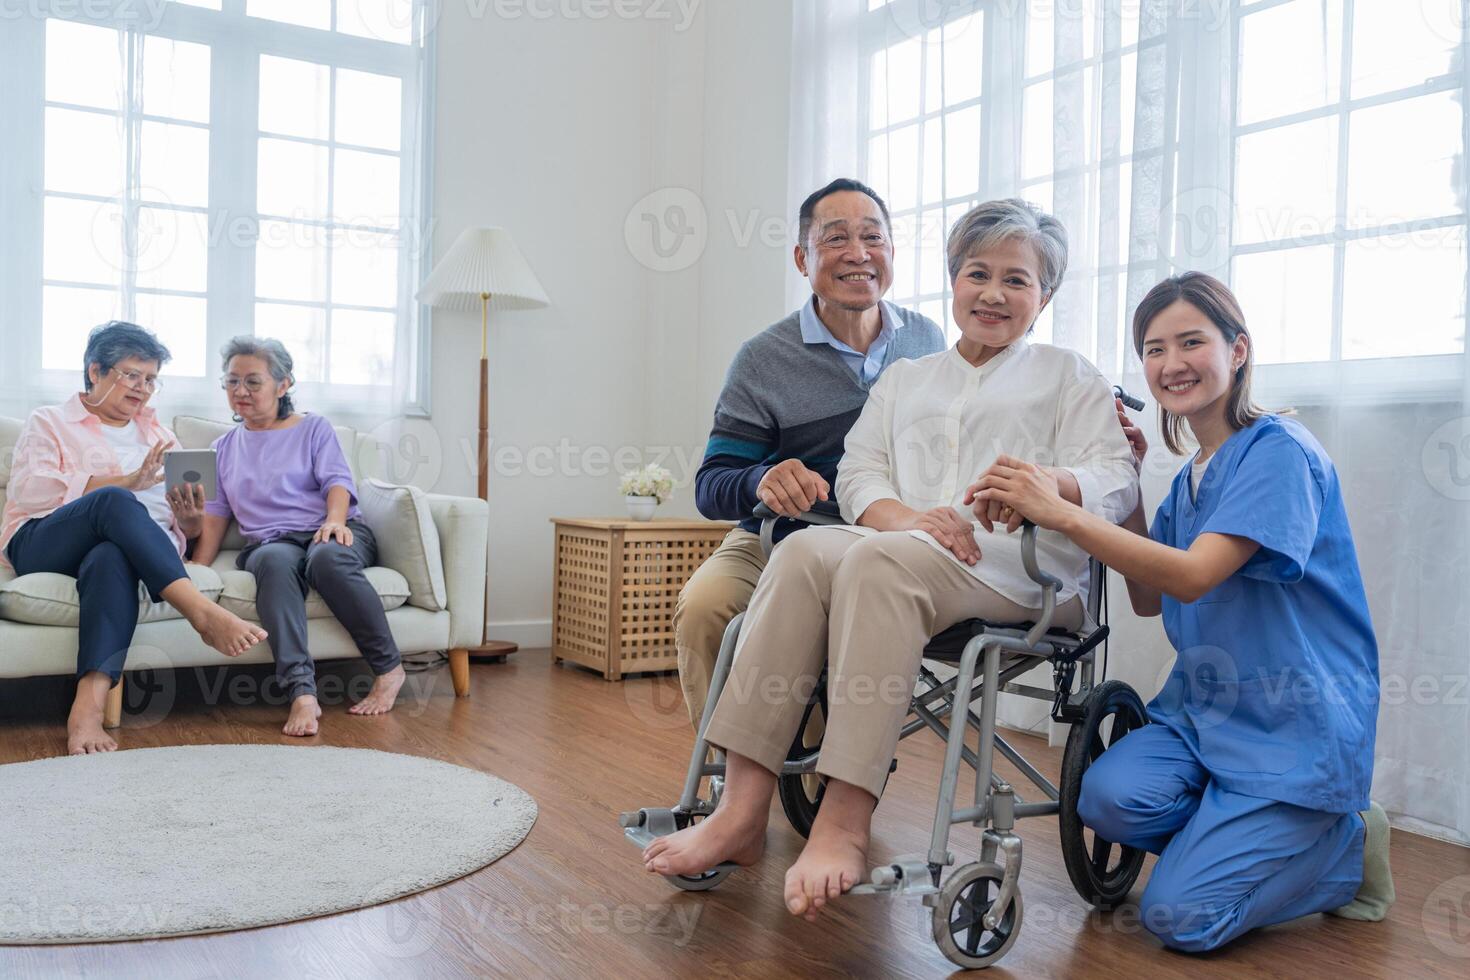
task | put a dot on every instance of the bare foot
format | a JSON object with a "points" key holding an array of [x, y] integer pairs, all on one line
{"points": [[226, 632], [722, 836], [84, 733], [833, 860], [380, 699], [303, 718]]}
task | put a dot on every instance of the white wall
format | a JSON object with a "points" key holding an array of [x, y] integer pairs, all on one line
{"points": [[555, 128]]}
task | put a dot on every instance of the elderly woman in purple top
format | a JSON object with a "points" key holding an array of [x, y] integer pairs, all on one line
{"points": [[283, 477]]}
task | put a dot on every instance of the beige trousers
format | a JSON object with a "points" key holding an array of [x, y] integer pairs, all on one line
{"points": [[864, 606], [716, 593]]}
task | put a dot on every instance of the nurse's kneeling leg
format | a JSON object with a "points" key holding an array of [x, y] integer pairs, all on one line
{"points": [[1243, 862], [1142, 790]]}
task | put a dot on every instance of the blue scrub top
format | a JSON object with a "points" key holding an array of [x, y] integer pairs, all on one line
{"points": [[1275, 686]]}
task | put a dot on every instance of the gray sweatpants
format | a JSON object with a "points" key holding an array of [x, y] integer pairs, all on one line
{"points": [[286, 568]]}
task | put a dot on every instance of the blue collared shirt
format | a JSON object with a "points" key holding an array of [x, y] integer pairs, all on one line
{"points": [[865, 366]]}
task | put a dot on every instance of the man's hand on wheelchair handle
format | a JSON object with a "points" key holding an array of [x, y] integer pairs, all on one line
{"points": [[790, 489]]}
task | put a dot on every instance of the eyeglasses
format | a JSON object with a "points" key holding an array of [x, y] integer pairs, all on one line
{"points": [[137, 379], [252, 384]]}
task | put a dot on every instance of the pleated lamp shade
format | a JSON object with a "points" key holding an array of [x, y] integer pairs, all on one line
{"points": [[483, 260]]}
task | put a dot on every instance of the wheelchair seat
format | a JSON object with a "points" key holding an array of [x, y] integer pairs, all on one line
{"points": [[948, 645]]}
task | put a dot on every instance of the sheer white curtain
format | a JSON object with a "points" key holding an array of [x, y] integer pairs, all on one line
{"points": [[1309, 152], [215, 168]]}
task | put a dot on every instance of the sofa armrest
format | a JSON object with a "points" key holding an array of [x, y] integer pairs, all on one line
{"points": [[464, 529]]}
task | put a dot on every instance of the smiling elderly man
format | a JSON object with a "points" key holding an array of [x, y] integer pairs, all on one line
{"points": [[791, 394]]}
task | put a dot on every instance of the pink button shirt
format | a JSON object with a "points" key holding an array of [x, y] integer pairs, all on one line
{"points": [[60, 448]]}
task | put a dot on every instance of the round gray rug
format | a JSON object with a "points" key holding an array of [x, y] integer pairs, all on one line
{"points": [[206, 838]]}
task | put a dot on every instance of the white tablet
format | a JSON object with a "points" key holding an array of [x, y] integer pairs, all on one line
{"points": [[181, 466]]}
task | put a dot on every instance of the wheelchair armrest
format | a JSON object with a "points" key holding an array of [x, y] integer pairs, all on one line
{"points": [[1049, 584], [822, 513]]}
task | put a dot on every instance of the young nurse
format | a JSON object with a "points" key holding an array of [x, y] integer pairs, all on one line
{"points": [[1251, 784]]}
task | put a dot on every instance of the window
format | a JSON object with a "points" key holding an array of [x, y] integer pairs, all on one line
{"points": [[226, 167], [923, 146], [1356, 250], [1330, 188]]}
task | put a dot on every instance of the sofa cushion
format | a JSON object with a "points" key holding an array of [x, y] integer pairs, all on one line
{"points": [[408, 539], [239, 590], [48, 599]]}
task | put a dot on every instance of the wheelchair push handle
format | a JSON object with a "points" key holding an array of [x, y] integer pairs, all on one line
{"points": [[822, 512]]}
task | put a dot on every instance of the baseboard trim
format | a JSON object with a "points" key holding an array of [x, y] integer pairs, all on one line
{"points": [[529, 633]]}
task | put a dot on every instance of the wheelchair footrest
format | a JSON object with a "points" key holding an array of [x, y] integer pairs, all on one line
{"points": [[645, 826], [908, 875]]}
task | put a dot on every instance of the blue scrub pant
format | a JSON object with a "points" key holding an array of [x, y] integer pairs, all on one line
{"points": [[1227, 862], [109, 542]]}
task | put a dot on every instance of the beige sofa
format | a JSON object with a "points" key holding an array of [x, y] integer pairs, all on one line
{"points": [[432, 583]]}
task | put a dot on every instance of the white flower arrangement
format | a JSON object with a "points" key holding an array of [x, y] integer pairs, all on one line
{"points": [[648, 481]]}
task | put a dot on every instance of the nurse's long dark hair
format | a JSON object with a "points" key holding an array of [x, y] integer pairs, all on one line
{"points": [[1215, 300]]}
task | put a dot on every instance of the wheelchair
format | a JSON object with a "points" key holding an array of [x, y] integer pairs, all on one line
{"points": [[977, 908]]}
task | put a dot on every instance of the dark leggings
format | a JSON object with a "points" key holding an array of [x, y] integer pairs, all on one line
{"points": [[108, 541], [285, 568]]}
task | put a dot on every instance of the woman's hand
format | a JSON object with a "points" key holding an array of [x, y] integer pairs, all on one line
{"points": [[150, 473], [947, 526], [333, 530], [187, 503], [1024, 490], [1136, 441]]}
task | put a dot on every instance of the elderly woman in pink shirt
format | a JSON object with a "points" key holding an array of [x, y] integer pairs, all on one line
{"points": [[86, 499]]}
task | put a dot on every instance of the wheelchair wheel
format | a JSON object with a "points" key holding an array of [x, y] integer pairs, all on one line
{"points": [[802, 795], [1102, 872], [959, 910]]}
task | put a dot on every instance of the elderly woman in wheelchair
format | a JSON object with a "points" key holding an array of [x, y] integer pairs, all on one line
{"points": [[862, 600]]}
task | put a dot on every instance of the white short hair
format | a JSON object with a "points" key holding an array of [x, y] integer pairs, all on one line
{"points": [[995, 221]]}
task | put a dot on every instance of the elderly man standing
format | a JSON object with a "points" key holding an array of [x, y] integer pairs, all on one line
{"points": [[790, 396]]}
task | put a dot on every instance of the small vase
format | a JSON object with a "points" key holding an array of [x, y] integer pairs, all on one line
{"points": [[641, 508]]}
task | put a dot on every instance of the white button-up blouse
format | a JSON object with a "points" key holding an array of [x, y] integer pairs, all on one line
{"points": [[931, 426]]}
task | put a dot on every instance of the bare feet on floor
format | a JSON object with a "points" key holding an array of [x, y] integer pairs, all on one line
{"points": [[84, 733], [304, 717], [380, 699], [226, 632], [722, 836], [834, 859]]}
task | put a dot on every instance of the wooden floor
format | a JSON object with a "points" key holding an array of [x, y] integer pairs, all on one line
{"points": [[572, 900]]}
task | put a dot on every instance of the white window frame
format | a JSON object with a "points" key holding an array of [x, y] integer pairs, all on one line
{"points": [[1415, 378], [236, 44], [1200, 162]]}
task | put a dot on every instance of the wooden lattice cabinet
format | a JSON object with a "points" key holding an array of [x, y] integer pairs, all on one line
{"points": [[616, 583]]}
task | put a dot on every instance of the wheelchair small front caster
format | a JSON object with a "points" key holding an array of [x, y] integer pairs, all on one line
{"points": [[701, 882], [960, 910]]}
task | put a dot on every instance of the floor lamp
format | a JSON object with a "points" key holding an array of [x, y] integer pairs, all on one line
{"points": [[481, 270]]}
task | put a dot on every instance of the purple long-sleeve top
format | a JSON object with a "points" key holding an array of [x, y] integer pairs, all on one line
{"points": [[275, 481]]}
